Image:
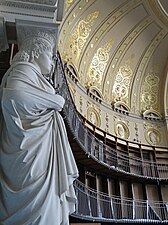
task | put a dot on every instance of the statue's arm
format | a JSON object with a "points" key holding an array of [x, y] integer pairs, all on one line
{"points": [[25, 89]]}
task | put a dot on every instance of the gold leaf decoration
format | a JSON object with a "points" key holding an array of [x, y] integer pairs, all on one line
{"points": [[122, 83], [122, 130], [150, 90], [98, 65], [153, 136], [76, 41], [68, 4], [94, 116]]}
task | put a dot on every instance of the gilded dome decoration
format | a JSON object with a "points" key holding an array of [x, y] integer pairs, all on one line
{"points": [[78, 38], [150, 90], [114, 48]]}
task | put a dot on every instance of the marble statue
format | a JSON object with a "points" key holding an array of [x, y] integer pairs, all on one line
{"points": [[37, 167]]}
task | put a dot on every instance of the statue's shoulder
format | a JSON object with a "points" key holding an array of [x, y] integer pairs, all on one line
{"points": [[24, 67]]}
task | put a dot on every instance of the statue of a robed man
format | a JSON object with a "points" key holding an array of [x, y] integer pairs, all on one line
{"points": [[37, 167]]}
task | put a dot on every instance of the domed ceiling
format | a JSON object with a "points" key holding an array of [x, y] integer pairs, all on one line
{"points": [[119, 50]]}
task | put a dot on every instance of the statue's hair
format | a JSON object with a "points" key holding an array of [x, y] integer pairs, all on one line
{"points": [[31, 49]]}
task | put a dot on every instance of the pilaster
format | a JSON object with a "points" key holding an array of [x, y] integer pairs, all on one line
{"points": [[3, 37]]}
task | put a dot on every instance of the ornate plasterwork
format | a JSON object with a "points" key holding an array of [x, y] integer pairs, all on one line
{"points": [[93, 116], [151, 115], [122, 82], [121, 107], [76, 41], [141, 69], [98, 65], [94, 93], [122, 130], [3, 37], [116, 59], [150, 90], [107, 122], [152, 134], [68, 4]]}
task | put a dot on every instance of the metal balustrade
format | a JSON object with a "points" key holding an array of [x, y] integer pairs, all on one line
{"points": [[93, 205], [107, 156]]}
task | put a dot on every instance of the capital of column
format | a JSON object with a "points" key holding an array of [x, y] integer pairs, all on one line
{"points": [[3, 36]]}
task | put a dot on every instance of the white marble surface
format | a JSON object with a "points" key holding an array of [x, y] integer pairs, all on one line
{"points": [[37, 164]]}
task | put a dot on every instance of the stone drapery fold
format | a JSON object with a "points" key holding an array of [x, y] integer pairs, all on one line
{"points": [[37, 167]]}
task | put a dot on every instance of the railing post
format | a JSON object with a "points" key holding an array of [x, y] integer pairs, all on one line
{"points": [[76, 128], [147, 210], [88, 198], [77, 203], [98, 207], [133, 209], [86, 140]]}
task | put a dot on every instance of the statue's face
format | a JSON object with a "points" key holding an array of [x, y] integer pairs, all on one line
{"points": [[45, 62]]}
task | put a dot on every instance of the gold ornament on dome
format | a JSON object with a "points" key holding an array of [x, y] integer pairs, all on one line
{"points": [[93, 116], [150, 90], [68, 4], [142, 69], [98, 65], [153, 136], [122, 130], [77, 39], [121, 84]]}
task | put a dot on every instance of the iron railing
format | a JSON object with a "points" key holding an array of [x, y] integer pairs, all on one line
{"points": [[98, 206], [102, 153]]}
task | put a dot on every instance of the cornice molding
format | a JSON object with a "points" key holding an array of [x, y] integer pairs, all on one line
{"points": [[37, 10], [42, 2], [28, 5]]}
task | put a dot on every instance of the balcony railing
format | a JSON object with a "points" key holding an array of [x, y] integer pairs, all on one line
{"points": [[93, 205], [100, 152]]}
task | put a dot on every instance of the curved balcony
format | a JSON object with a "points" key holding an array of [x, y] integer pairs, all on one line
{"points": [[113, 159], [97, 206]]}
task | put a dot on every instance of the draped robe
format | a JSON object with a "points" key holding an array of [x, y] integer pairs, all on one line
{"points": [[37, 167]]}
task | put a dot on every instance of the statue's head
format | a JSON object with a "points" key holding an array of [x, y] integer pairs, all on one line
{"points": [[37, 49]]}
